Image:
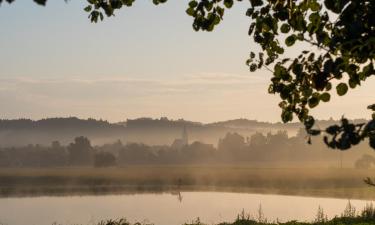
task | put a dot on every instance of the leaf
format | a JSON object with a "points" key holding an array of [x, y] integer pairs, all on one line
{"points": [[371, 107], [228, 3], [190, 11], [252, 55], [309, 122], [88, 8], [289, 41], [314, 6], [281, 72], [332, 129], [341, 89], [372, 142], [41, 2], [325, 97], [313, 102], [352, 83], [297, 69], [314, 132], [193, 4], [253, 67], [328, 86], [286, 116], [285, 28], [249, 11], [255, 3]]}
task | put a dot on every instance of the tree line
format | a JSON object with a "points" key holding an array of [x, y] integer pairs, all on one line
{"points": [[232, 148]]}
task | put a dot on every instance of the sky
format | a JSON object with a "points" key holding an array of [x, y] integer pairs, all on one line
{"points": [[145, 62]]}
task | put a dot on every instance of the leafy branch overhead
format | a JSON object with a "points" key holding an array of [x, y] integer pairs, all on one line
{"points": [[342, 33]]}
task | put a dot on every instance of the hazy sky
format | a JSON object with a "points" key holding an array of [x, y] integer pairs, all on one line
{"points": [[146, 61]]}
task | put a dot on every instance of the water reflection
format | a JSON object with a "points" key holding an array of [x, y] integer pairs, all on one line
{"points": [[164, 209], [178, 194]]}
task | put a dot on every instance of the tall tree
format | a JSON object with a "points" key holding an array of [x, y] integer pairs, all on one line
{"points": [[80, 151]]}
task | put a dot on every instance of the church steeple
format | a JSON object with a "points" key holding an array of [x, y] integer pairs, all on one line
{"points": [[185, 138]]}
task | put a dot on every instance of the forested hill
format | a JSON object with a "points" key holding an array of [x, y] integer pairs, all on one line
{"points": [[246, 123], [163, 122], [56, 123], [161, 131], [25, 131]]}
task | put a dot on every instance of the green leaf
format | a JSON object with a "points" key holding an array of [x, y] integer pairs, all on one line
{"points": [[289, 41], [352, 83], [313, 102], [41, 2], [281, 72], [297, 69], [314, 132], [228, 3], [332, 129], [249, 11], [372, 142], [255, 3], [285, 28], [309, 122], [371, 107], [253, 67], [286, 116], [252, 55], [314, 6], [190, 11], [325, 97], [328, 86], [341, 89], [193, 4], [88, 8]]}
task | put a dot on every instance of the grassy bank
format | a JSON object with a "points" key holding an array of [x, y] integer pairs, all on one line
{"points": [[342, 183], [349, 217], [335, 221]]}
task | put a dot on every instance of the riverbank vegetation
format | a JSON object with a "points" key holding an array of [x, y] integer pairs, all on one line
{"points": [[322, 182], [350, 216]]}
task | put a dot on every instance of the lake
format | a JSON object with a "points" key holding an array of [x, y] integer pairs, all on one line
{"points": [[165, 209]]}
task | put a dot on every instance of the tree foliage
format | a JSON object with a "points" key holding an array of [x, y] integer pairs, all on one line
{"points": [[343, 32]]}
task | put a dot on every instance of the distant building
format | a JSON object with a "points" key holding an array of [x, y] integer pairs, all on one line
{"points": [[181, 142]]}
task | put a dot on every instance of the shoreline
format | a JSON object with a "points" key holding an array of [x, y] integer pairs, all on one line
{"points": [[328, 183]]}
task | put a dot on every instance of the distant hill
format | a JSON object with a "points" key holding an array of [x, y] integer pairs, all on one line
{"points": [[246, 123], [146, 122], [56, 123], [146, 130]]}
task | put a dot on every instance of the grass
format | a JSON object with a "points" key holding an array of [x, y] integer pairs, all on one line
{"points": [[335, 221], [348, 217], [323, 182]]}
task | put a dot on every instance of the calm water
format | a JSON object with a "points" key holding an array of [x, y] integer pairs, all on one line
{"points": [[164, 209]]}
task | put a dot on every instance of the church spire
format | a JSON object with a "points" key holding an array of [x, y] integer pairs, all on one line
{"points": [[185, 138]]}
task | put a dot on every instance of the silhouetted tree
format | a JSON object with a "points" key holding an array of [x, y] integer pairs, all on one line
{"points": [[135, 153], [80, 152], [258, 139], [104, 159], [198, 152], [231, 142], [280, 138]]}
